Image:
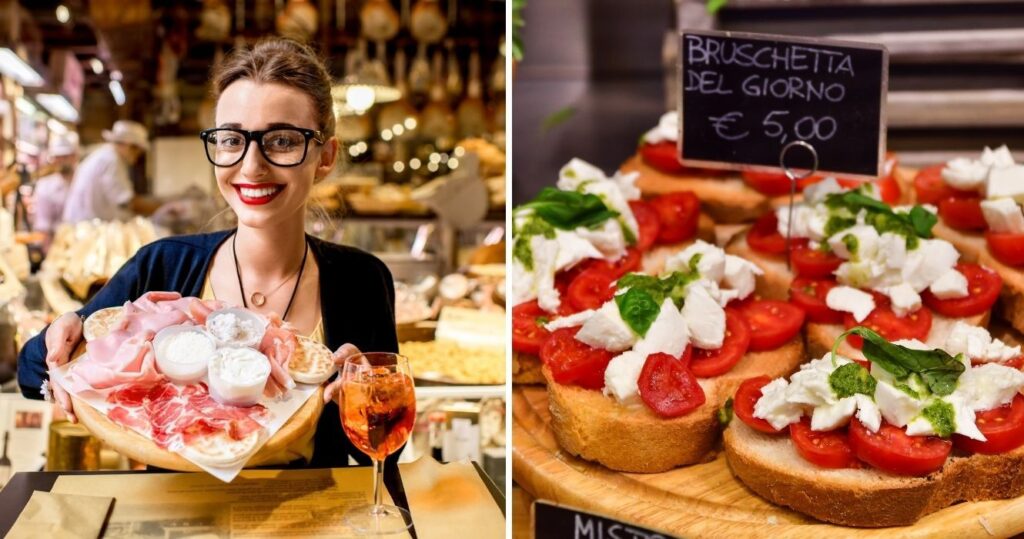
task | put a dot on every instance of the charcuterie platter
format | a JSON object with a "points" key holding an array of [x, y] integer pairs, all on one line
{"points": [[186, 384]]}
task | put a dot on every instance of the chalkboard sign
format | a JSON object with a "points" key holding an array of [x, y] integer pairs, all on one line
{"points": [[558, 522], [745, 96]]}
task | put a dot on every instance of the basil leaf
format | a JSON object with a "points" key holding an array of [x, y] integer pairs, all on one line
{"points": [[638, 309], [627, 233], [938, 370], [851, 379], [568, 209], [672, 285], [922, 221], [725, 413]]}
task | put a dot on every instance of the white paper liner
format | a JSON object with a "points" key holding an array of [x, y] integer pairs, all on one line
{"points": [[280, 410]]}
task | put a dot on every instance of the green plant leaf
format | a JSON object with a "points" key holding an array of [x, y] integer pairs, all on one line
{"points": [[638, 310], [938, 370], [557, 118], [922, 221], [714, 6], [570, 209]]}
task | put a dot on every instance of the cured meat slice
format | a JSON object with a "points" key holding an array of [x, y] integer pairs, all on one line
{"points": [[115, 360], [174, 417]]}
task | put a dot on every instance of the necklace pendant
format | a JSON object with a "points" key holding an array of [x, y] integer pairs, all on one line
{"points": [[257, 299]]}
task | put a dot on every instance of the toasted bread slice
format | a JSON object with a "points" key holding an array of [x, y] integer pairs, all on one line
{"points": [[770, 466], [220, 451], [311, 363], [820, 337], [633, 439], [725, 199], [99, 323], [777, 278], [972, 248], [526, 367]]}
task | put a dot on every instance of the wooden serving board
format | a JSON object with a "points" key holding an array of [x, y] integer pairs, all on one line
{"points": [[142, 449], [703, 500]]}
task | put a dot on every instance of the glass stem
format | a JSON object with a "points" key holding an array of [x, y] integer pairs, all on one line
{"points": [[378, 485]]}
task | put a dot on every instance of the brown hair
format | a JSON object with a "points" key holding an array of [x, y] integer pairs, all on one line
{"points": [[282, 61]]}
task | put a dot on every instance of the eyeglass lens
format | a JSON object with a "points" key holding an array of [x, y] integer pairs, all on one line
{"points": [[283, 147]]}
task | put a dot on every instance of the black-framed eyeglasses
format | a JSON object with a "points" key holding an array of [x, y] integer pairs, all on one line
{"points": [[281, 146]]}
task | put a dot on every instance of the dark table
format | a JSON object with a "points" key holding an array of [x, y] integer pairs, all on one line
{"points": [[19, 489]]}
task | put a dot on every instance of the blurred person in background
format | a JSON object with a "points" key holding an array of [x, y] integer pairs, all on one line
{"points": [[51, 191], [102, 187]]}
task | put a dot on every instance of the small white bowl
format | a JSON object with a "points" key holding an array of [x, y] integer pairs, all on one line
{"points": [[238, 375], [183, 367], [236, 327]]}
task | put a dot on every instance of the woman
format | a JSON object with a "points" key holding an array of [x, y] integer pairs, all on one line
{"points": [[274, 140]]}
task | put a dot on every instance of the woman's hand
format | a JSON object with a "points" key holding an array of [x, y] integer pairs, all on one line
{"points": [[340, 357], [62, 337]]}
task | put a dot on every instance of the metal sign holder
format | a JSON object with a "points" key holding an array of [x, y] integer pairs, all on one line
{"points": [[793, 179]]}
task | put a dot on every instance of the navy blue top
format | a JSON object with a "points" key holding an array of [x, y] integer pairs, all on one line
{"points": [[357, 302]]}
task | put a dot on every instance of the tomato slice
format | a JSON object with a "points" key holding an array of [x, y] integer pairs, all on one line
{"points": [[983, 286], [574, 363], [892, 450], [648, 222], [827, 449], [1003, 428], [775, 184], [962, 213], [663, 156], [810, 295], [708, 363], [678, 214], [932, 189], [743, 403], [668, 388], [813, 263], [626, 263], [591, 289], [1007, 247], [764, 236], [528, 334], [772, 323], [884, 321]]}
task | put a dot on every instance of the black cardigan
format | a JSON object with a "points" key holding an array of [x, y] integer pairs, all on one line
{"points": [[357, 299]]}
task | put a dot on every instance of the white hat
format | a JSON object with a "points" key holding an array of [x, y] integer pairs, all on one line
{"points": [[63, 145], [128, 132]]}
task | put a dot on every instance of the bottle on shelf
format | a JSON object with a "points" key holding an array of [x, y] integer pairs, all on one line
{"points": [[472, 115], [453, 82], [438, 121], [399, 118]]}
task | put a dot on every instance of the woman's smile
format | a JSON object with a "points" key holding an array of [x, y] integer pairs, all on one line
{"points": [[257, 194]]}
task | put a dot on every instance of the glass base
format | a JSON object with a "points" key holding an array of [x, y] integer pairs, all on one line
{"points": [[377, 519]]}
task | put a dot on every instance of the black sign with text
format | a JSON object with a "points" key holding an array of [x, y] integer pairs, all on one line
{"points": [[745, 96], [558, 522]]}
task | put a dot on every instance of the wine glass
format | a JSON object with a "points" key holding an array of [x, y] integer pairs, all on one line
{"points": [[378, 409]]}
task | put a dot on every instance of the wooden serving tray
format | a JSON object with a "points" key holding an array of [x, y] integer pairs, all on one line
{"points": [[704, 500], [142, 449]]}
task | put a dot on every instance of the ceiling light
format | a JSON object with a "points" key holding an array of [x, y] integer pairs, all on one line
{"points": [[58, 106], [63, 14], [96, 65], [117, 92], [13, 66]]}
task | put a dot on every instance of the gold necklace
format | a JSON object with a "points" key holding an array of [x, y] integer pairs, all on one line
{"points": [[258, 299]]}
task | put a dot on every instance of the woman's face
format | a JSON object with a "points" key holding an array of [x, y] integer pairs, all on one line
{"points": [[262, 194]]}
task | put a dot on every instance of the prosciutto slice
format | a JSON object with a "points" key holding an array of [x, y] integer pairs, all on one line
{"points": [[174, 417], [119, 358], [278, 345]]}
